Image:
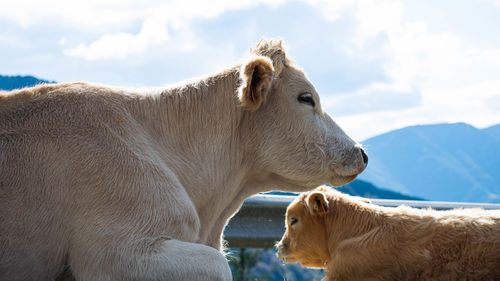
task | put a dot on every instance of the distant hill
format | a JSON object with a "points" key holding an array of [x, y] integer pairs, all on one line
{"points": [[493, 131], [365, 189], [368, 190], [449, 162], [17, 82]]}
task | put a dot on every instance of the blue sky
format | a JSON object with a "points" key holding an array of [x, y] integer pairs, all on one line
{"points": [[378, 65]]}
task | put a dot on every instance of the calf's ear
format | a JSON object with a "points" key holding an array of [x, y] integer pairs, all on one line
{"points": [[256, 77], [317, 203]]}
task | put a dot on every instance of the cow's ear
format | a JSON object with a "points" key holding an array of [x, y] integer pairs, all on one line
{"points": [[256, 78], [317, 203]]}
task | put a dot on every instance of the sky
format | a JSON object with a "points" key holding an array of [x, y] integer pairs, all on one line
{"points": [[377, 65]]}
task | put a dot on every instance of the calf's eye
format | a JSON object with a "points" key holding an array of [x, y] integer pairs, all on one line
{"points": [[293, 221], [306, 98]]}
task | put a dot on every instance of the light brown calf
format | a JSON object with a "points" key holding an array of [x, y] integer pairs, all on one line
{"points": [[355, 240]]}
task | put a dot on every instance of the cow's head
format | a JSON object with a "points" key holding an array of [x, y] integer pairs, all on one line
{"points": [[296, 142], [305, 239]]}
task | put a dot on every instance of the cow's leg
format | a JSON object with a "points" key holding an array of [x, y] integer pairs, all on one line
{"points": [[164, 259]]}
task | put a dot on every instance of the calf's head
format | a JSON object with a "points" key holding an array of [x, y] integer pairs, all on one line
{"points": [[295, 141], [305, 238]]}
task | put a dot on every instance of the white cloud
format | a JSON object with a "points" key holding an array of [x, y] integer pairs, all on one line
{"points": [[120, 45], [96, 15], [375, 17], [453, 81], [13, 41], [63, 41], [174, 14], [332, 10], [495, 2], [473, 111], [88, 15], [111, 21]]}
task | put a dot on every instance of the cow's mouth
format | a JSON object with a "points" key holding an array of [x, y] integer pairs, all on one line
{"points": [[344, 174], [338, 180]]}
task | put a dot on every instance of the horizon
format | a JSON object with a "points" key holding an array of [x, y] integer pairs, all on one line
{"points": [[377, 65]]}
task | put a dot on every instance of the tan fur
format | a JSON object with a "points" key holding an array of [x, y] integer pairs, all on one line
{"points": [[355, 240], [256, 80], [113, 184]]}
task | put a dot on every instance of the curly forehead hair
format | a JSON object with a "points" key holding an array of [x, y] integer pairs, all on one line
{"points": [[274, 50]]}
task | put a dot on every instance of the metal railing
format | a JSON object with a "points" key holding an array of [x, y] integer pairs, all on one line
{"points": [[261, 220]]}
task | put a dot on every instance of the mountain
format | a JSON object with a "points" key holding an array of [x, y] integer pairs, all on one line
{"points": [[16, 82], [363, 189], [493, 131], [442, 162]]}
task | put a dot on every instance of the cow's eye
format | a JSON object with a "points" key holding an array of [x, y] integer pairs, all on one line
{"points": [[293, 221], [306, 98]]}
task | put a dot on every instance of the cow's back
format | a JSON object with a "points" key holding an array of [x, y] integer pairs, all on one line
{"points": [[48, 136]]}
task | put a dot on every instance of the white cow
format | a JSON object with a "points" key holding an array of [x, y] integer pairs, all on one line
{"points": [[113, 184]]}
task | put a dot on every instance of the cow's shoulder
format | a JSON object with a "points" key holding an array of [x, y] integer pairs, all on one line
{"points": [[62, 109], [69, 93]]}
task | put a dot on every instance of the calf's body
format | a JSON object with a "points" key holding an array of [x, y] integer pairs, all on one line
{"points": [[355, 240]]}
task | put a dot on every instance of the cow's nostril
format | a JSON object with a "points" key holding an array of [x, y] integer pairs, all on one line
{"points": [[365, 157]]}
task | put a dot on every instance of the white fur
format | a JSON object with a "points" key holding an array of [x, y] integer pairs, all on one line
{"points": [[121, 185]]}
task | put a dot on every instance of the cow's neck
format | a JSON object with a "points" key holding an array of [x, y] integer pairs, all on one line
{"points": [[200, 130]]}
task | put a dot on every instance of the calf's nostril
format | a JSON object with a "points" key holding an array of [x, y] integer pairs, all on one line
{"points": [[365, 157]]}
